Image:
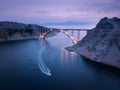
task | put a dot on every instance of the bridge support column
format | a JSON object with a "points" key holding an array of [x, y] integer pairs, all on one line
{"points": [[72, 33], [78, 36]]}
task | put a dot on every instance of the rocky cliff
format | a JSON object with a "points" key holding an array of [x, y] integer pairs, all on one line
{"points": [[101, 44], [16, 31]]}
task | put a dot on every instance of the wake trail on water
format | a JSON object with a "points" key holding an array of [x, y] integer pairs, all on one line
{"points": [[44, 69]]}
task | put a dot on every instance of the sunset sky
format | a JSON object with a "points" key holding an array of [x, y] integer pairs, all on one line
{"points": [[59, 13]]}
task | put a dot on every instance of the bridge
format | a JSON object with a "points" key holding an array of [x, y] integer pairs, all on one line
{"points": [[77, 29], [44, 33], [68, 32]]}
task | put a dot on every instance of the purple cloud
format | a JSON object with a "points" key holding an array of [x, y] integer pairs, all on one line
{"points": [[42, 11]]}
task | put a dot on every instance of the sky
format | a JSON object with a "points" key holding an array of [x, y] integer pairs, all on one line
{"points": [[59, 13]]}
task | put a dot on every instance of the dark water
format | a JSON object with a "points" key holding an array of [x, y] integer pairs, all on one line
{"points": [[20, 70]]}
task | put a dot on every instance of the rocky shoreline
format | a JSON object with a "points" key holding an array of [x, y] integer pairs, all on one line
{"points": [[102, 43], [18, 31]]}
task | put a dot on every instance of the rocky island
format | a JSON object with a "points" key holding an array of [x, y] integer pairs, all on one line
{"points": [[17, 31], [102, 43]]}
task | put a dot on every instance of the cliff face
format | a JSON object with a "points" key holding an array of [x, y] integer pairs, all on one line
{"points": [[14, 31], [102, 44]]}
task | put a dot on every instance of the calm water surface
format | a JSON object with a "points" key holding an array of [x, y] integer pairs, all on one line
{"points": [[21, 68]]}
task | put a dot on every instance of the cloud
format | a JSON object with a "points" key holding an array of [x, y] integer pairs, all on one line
{"points": [[43, 11]]}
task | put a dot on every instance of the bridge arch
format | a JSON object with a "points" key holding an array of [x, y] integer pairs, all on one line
{"points": [[71, 37], [46, 33], [63, 31]]}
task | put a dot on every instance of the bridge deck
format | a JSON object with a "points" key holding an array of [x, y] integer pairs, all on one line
{"points": [[77, 29]]}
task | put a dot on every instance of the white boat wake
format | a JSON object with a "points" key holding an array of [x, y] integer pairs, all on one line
{"points": [[44, 69]]}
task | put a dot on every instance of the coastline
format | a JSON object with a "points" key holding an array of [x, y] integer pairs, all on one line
{"points": [[19, 39], [87, 57], [102, 43]]}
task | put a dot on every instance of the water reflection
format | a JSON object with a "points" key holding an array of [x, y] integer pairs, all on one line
{"points": [[46, 52], [71, 74], [72, 56], [67, 57]]}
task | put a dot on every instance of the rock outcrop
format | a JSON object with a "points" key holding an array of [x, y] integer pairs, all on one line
{"points": [[17, 31], [102, 43]]}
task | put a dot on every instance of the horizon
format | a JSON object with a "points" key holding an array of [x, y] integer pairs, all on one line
{"points": [[59, 14]]}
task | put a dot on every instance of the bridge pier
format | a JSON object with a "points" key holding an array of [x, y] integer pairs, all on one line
{"points": [[78, 37], [72, 33]]}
